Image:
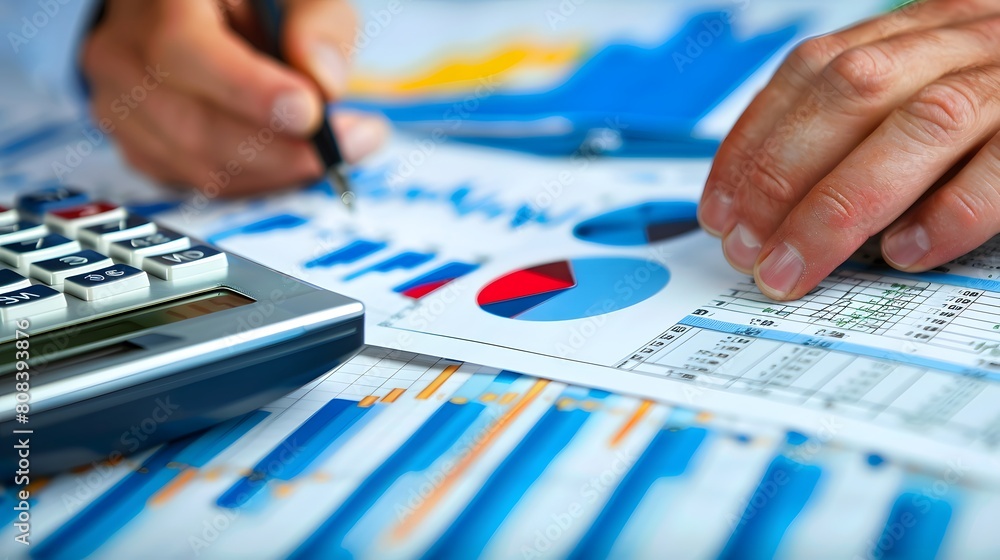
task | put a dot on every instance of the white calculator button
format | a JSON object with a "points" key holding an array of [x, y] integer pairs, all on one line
{"points": [[10, 280], [189, 262], [68, 221], [23, 253], [54, 271], [21, 230], [25, 302], [134, 250], [8, 215], [103, 235], [106, 282]]}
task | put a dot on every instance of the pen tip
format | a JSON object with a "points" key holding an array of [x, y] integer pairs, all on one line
{"points": [[342, 187]]}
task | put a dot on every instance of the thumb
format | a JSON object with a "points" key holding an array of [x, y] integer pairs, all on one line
{"points": [[318, 39]]}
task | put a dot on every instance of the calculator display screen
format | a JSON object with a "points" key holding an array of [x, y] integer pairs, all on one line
{"points": [[64, 343]]}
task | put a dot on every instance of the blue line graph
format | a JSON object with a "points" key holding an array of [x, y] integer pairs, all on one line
{"points": [[655, 111], [265, 225]]}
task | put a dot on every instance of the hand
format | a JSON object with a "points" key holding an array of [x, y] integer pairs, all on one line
{"points": [[192, 101], [890, 126]]}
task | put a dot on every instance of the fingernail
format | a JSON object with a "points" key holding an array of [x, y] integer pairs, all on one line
{"points": [[715, 211], [781, 270], [329, 68], [907, 246], [297, 110], [362, 138], [741, 248]]}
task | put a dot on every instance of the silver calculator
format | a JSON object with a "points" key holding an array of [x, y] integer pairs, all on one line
{"points": [[117, 334]]}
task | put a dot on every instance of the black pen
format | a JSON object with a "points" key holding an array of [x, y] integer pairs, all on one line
{"points": [[325, 142]]}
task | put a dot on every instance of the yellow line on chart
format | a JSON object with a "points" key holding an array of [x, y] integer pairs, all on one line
{"points": [[632, 422], [437, 383], [493, 432]]}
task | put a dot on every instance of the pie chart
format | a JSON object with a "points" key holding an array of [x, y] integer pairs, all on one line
{"points": [[641, 224], [573, 289]]}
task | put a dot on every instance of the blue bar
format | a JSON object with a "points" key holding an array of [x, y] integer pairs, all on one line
{"points": [[352, 252], [838, 346], [444, 273], [434, 438], [403, 261], [484, 514], [668, 455], [322, 432], [506, 377], [779, 498], [271, 223], [915, 529], [92, 526], [929, 276]]}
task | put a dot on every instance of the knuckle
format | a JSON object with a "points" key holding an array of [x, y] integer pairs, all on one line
{"points": [[839, 208], [772, 183], [942, 113], [864, 74], [967, 207], [808, 60]]}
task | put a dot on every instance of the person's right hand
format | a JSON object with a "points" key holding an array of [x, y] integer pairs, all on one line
{"points": [[188, 93], [889, 129]]}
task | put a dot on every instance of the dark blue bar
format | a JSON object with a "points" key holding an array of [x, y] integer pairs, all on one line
{"points": [[322, 431], [352, 252], [779, 498], [435, 437], [475, 526], [92, 526], [668, 455], [915, 529], [403, 261]]}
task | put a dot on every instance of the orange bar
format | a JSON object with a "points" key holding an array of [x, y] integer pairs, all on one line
{"points": [[368, 401], [437, 383], [175, 486], [488, 397], [508, 398], [492, 433], [393, 395], [639, 414]]}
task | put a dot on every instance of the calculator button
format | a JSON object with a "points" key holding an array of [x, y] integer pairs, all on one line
{"points": [[23, 253], [8, 215], [10, 280], [103, 235], [189, 262], [132, 251], [47, 200], [106, 282], [54, 271], [68, 221], [21, 230], [25, 302]]}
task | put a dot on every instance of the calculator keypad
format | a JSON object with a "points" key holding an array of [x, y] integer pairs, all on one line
{"points": [[24, 302], [103, 235], [68, 221], [10, 280], [184, 264], [106, 282], [134, 250], [54, 271], [57, 244], [22, 253]]}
